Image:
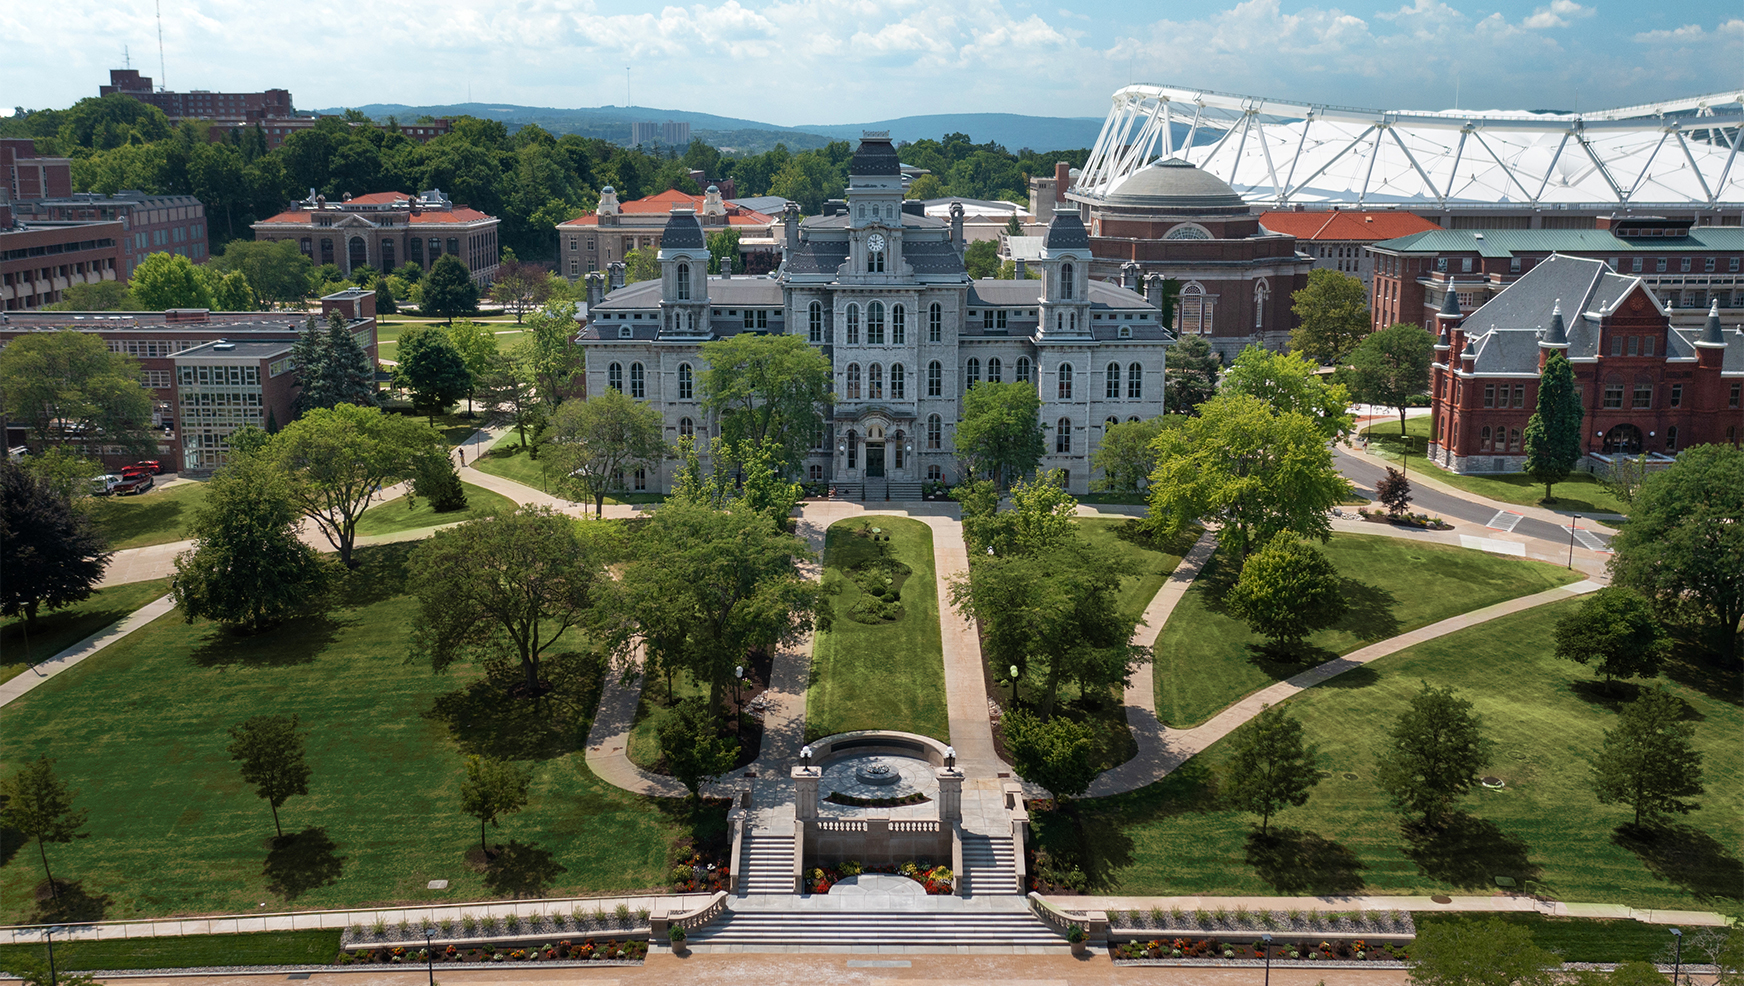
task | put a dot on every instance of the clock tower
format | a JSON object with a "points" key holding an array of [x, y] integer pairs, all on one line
{"points": [[875, 206]]}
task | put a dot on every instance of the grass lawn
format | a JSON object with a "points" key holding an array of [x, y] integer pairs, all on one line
{"points": [[63, 628], [1128, 539], [188, 951], [1579, 939], [507, 459], [1579, 493], [1207, 659], [887, 674], [394, 516], [1545, 830], [644, 750], [454, 425], [157, 517], [140, 730]]}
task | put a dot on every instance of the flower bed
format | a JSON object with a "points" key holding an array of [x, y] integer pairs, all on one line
{"points": [[1419, 521], [938, 880], [1290, 950], [848, 800], [698, 874], [1242, 924], [586, 950]]}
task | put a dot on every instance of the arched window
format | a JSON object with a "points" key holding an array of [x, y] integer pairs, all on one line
{"points": [[683, 282], [686, 390], [853, 381], [875, 382], [1134, 382], [935, 379], [1513, 439], [615, 376], [1671, 439], [1067, 276], [1022, 369], [1262, 293], [1111, 422], [875, 261], [1193, 310], [898, 382], [816, 318], [1072, 322], [994, 369], [936, 323], [1063, 436], [638, 386], [1126, 332], [935, 474], [875, 324], [1484, 438], [935, 432], [898, 325], [1112, 390], [1065, 390], [853, 325], [686, 428], [971, 373]]}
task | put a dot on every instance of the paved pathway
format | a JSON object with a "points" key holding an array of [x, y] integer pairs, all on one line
{"points": [[44, 670], [1489, 903]]}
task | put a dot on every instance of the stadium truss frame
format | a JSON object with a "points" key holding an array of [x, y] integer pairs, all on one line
{"points": [[1282, 153]]}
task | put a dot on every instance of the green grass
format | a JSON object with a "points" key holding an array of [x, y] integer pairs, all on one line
{"points": [[644, 747], [157, 517], [63, 628], [140, 729], [1579, 493], [1207, 659], [184, 952], [889, 675], [1128, 540], [454, 425], [393, 516], [507, 459], [1578, 939], [1544, 829]]}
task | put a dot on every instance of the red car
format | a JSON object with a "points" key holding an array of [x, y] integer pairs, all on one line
{"points": [[134, 471], [131, 485], [152, 466]]}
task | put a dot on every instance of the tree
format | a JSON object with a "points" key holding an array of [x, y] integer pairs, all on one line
{"points": [[723, 245], [1332, 316], [271, 753], [1394, 490], [1647, 762], [1614, 629], [448, 290], [1434, 753], [65, 471], [981, 258], [248, 567], [1255, 472], [1623, 478], [1189, 375], [492, 789], [594, 442], [1488, 953], [1056, 753], [552, 355], [1000, 432], [332, 367], [476, 344], [53, 554], [38, 805], [1270, 767], [1013, 226], [1553, 434], [68, 387], [385, 300], [690, 740], [511, 584], [1125, 455], [230, 292], [1391, 366], [338, 458], [507, 386], [767, 389], [432, 369], [1683, 547], [520, 287], [435, 479], [277, 270], [164, 280], [1288, 383], [101, 296], [1287, 590]]}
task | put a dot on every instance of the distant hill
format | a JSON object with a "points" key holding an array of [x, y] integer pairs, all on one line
{"points": [[1012, 130]]}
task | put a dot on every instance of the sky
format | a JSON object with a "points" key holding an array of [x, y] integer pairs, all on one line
{"points": [[797, 62]]}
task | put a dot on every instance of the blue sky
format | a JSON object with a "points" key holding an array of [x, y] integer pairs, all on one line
{"points": [[794, 62]]}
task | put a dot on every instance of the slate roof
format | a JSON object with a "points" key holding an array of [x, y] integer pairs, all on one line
{"points": [[995, 293], [817, 257], [1066, 232], [875, 158], [909, 221], [1504, 243], [932, 257], [682, 232]]}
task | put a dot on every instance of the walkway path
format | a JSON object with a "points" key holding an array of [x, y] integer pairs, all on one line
{"points": [[23, 683]]}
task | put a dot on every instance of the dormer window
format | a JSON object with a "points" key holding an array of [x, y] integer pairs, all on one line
{"points": [[623, 332]]}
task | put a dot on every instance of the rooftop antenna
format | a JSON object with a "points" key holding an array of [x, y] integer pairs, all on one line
{"points": [[627, 103], [126, 57], [163, 84]]}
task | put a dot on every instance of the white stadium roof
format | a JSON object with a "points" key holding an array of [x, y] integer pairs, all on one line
{"points": [[1279, 152]]}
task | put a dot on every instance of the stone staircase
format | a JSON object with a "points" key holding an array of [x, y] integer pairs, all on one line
{"points": [[847, 491], [766, 864], [877, 490], [991, 865], [904, 491], [843, 930]]}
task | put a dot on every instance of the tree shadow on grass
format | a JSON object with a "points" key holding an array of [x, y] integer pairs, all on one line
{"points": [[521, 869], [380, 574], [1370, 613], [1361, 676], [1701, 671], [68, 901], [11, 840], [1469, 852], [1296, 862], [704, 822], [1593, 691], [300, 862], [296, 641], [487, 721], [1281, 660], [1686, 856]]}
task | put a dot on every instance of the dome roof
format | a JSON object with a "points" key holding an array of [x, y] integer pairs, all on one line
{"points": [[875, 158], [1176, 186]]}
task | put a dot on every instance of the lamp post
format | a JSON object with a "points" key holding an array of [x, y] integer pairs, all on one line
{"points": [[1267, 939], [1677, 963], [430, 954], [738, 699], [1013, 680], [48, 935], [1571, 526]]}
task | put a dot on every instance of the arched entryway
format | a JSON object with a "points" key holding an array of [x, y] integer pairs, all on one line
{"points": [[1623, 440], [357, 253], [874, 451]]}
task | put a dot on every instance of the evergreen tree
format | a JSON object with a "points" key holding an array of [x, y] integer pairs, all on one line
{"points": [[437, 480], [1553, 434], [309, 355], [332, 367], [1271, 767], [690, 740], [1648, 762], [53, 554]]}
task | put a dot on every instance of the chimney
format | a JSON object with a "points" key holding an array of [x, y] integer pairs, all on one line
{"points": [[727, 267], [595, 289], [1153, 291], [616, 269], [1022, 266], [790, 224], [957, 226], [1062, 179]]}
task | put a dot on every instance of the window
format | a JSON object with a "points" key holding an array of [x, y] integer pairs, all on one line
{"points": [[641, 479], [898, 382], [816, 319], [615, 376], [1063, 436], [853, 450], [994, 370], [1513, 439], [875, 262], [971, 373], [1634, 345], [683, 282], [935, 432], [1737, 392], [898, 325], [1647, 346], [853, 325], [638, 387], [1111, 422], [936, 323], [875, 324], [853, 381], [1465, 265], [896, 444], [1126, 332], [1643, 397], [875, 382], [1519, 395], [1671, 439], [935, 474], [935, 379], [1616, 345], [1613, 396], [1067, 276], [1263, 293], [686, 428], [1489, 395], [1022, 375], [686, 390], [1513, 265], [1659, 265], [1065, 389], [1484, 438], [1677, 395], [1635, 264], [1112, 390], [1683, 264], [1134, 382], [815, 473]]}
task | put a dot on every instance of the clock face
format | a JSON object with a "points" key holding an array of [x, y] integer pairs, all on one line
{"points": [[875, 243]]}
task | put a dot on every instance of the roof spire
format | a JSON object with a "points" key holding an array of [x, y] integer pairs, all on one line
{"points": [[1712, 333], [1556, 337], [1450, 303]]}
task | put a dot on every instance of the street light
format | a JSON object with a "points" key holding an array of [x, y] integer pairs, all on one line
{"points": [[48, 935], [1676, 965], [430, 953], [1268, 942], [1571, 527]]}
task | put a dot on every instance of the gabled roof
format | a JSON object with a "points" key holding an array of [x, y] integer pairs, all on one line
{"points": [[1346, 226], [661, 204]]}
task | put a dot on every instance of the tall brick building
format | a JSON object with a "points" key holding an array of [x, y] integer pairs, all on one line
{"points": [[1647, 386], [39, 257], [199, 104]]}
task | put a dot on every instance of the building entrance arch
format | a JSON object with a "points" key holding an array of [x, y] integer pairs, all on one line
{"points": [[357, 253], [1623, 440]]}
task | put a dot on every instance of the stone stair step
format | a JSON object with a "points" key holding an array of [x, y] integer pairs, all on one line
{"points": [[880, 928]]}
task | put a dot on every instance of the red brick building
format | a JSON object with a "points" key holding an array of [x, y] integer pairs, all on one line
{"points": [[603, 237], [199, 104], [384, 230], [1647, 386], [1339, 240]]}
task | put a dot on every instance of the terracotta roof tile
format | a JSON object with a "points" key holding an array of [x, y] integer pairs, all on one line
{"points": [[457, 216], [381, 198], [1346, 226], [662, 203]]}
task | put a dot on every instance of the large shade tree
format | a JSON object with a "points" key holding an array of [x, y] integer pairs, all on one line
{"points": [[1000, 433], [1433, 753], [69, 389], [1287, 383], [594, 443], [53, 554], [1332, 314], [1390, 367], [431, 369], [767, 389], [1648, 762]]}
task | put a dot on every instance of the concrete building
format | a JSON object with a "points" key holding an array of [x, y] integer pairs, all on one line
{"points": [[199, 104], [1340, 240], [672, 133], [1648, 387], [384, 230], [39, 261], [605, 236], [881, 291]]}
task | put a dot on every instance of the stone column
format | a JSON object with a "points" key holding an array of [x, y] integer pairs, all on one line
{"points": [[950, 794], [805, 792]]}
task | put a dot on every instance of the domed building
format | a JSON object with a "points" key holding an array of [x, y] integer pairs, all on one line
{"points": [[1236, 277]]}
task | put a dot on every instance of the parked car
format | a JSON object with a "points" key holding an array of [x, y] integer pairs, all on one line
{"points": [[128, 472], [151, 465], [133, 485], [105, 484]]}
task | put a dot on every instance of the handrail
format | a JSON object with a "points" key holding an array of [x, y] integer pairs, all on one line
{"points": [[915, 825], [840, 825], [734, 875], [692, 920], [1058, 918]]}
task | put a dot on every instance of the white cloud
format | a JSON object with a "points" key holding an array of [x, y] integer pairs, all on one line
{"points": [[1560, 13], [1731, 31]]}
